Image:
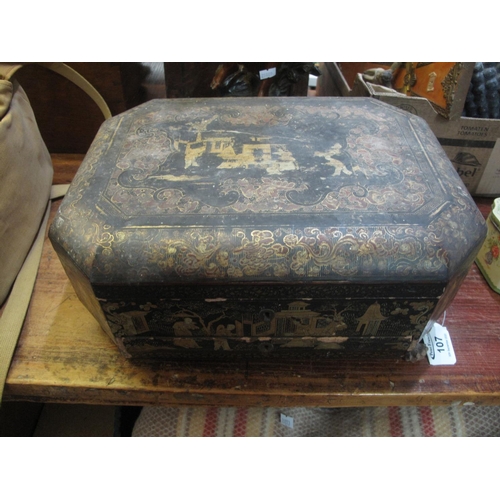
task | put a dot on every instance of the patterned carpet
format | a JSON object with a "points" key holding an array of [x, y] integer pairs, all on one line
{"points": [[436, 421]]}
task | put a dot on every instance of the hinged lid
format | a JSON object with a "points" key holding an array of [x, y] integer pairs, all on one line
{"points": [[267, 189]]}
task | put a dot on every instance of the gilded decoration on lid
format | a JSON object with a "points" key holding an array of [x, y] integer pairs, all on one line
{"points": [[277, 161], [221, 189]]}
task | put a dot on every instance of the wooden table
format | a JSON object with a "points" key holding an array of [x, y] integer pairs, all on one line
{"points": [[63, 356]]}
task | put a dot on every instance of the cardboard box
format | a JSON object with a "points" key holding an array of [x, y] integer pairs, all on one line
{"points": [[472, 144], [444, 84]]}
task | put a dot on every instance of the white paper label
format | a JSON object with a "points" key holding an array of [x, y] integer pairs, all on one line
{"points": [[440, 349], [286, 421], [267, 73]]}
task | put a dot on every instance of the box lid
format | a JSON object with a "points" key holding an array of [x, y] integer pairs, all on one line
{"points": [[267, 189]]}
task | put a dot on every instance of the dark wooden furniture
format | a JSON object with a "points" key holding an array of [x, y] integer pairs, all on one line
{"points": [[63, 356], [68, 118]]}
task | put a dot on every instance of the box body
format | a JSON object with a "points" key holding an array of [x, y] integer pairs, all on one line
{"points": [[286, 227]]}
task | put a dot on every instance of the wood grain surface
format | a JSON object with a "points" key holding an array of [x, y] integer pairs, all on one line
{"points": [[64, 356]]}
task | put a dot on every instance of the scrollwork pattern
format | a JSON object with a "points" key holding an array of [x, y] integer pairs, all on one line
{"points": [[284, 253], [95, 223]]}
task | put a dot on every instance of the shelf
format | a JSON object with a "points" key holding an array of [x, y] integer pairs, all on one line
{"points": [[64, 356]]}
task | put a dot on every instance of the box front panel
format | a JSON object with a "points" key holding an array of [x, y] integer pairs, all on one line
{"points": [[206, 349], [218, 327]]}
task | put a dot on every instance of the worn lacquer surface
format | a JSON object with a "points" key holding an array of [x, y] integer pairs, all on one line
{"points": [[256, 193]]}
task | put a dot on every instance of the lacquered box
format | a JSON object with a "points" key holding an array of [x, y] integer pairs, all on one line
{"points": [[277, 227]]}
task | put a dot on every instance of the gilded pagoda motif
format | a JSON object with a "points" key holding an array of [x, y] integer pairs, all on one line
{"points": [[295, 320], [259, 153]]}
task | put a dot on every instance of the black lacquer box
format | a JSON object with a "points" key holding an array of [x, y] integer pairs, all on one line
{"points": [[276, 227]]}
